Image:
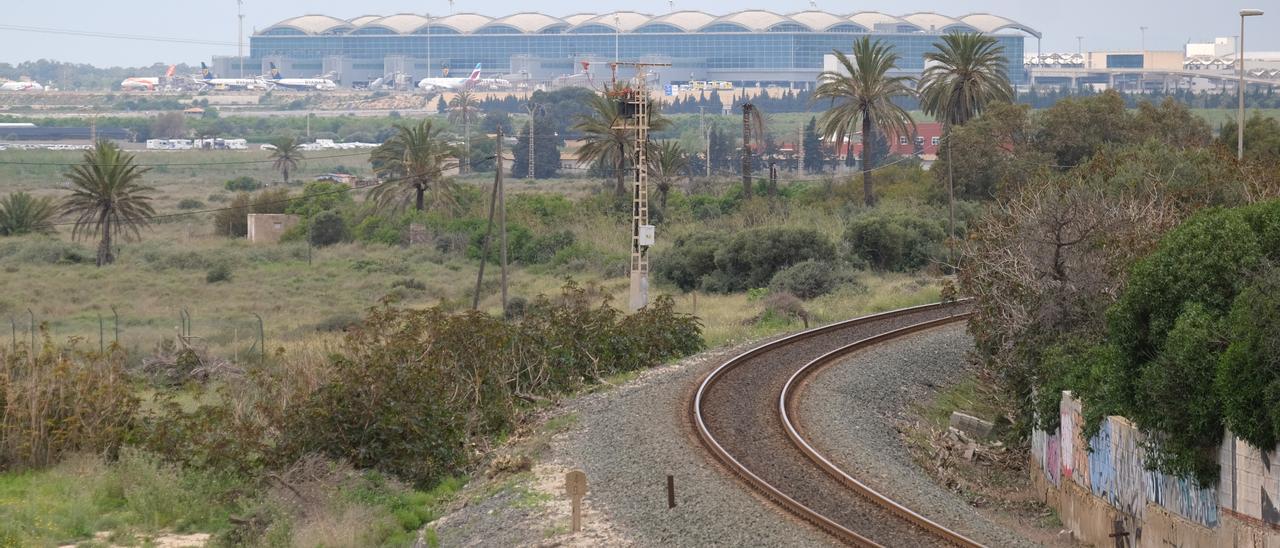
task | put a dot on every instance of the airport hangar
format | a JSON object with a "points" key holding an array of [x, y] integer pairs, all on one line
{"points": [[746, 48]]}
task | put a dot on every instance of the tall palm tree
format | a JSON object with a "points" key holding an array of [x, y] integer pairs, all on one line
{"points": [[22, 213], [412, 163], [606, 145], [967, 74], [668, 160], [286, 156], [462, 109], [752, 124], [107, 197], [862, 92]]}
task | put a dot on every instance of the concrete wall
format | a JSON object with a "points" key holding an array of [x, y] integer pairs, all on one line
{"points": [[1100, 482], [267, 228]]}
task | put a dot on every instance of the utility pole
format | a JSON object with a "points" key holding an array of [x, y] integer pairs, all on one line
{"points": [[484, 245], [533, 109], [1144, 38], [635, 118], [502, 216], [706, 136], [1240, 88]]}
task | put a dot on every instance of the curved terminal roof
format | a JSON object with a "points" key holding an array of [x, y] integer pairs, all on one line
{"points": [[630, 21]]}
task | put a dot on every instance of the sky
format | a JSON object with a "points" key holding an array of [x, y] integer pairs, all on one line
{"points": [[1105, 25]]}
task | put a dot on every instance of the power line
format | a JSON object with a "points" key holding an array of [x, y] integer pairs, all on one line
{"points": [[116, 36], [179, 164]]}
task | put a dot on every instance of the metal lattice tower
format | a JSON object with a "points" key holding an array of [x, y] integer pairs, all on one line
{"points": [[634, 110]]}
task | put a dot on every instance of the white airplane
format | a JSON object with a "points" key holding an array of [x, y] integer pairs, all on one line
{"points": [[21, 86], [208, 80], [147, 83], [446, 84], [301, 84]]}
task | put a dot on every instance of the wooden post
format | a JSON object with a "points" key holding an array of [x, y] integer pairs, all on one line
{"points": [[484, 246], [575, 485], [671, 491], [502, 215]]}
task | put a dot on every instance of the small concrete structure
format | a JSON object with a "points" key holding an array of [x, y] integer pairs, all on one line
{"points": [[269, 227]]}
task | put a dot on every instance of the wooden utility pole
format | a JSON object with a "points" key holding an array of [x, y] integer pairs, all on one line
{"points": [[746, 150], [484, 244], [502, 213]]}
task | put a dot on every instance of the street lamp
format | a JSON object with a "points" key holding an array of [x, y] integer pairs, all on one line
{"points": [[1144, 38], [1240, 88]]}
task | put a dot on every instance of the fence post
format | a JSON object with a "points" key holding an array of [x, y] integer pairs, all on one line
{"points": [[33, 335], [13, 344], [102, 344], [262, 340], [117, 315]]}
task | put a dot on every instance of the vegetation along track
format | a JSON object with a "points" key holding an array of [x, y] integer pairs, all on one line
{"points": [[740, 414]]}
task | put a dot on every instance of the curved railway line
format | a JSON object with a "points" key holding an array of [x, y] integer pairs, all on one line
{"points": [[742, 414]]}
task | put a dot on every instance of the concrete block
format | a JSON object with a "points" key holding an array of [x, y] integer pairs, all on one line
{"points": [[971, 425]]}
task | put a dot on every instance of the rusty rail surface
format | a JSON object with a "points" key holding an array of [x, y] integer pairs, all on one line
{"points": [[788, 503]]}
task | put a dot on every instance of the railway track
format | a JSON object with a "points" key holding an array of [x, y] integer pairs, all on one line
{"points": [[742, 414]]}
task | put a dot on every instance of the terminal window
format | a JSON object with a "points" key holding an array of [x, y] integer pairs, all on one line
{"points": [[1125, 61]]}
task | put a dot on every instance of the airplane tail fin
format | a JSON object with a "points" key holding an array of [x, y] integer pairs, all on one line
{"points": [[169, 73], [475, 74], [275, 72], [204, 71]]}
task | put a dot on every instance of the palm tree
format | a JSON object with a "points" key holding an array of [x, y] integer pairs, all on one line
{"points": [[666, 163], [605, 144], [752, 124], [107, 197], [462, 108], [411, 163], [286, 155], [863, 92], [967, 74], [22, 213]]}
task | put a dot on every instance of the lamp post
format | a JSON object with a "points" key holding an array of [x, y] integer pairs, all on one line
{"points": [[617, 30], [1240, 88], [1144, 39]]}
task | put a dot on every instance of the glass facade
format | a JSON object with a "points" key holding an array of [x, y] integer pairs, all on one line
{"points": [[1125, 61], [786, 50]]}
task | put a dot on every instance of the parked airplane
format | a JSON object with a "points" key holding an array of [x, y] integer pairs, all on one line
{"points": [[445, 84], [301, 84], [208, 80], [21, 86], [147, 83]]}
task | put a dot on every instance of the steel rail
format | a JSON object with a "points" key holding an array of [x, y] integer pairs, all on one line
{"points": [[709, 441], [785, 401]]}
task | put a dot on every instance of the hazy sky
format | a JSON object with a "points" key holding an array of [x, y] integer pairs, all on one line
{"points": [[1110, 24]]}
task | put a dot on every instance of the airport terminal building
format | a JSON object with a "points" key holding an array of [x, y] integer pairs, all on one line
{"points": [[746, 47]]}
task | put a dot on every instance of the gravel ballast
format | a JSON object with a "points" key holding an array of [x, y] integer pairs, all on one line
{"points": [[628, 440], [850, 410]]}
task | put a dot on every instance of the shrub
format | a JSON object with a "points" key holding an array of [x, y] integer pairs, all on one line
{"points": [[806, 280], [220, 272], [691, 259], [894, 241], [752, 257], [44, 251], [409, 283], [64, 401], [543, 248], [338, 322], [1248, 373], [242, 184], [327, 228], [190, 203]]}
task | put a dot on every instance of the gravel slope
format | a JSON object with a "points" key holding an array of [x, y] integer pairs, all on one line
{"points": [[628, 440], [848, 412]]}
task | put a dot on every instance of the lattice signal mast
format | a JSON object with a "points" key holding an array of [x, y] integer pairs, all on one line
{"points": [[633, 110]]}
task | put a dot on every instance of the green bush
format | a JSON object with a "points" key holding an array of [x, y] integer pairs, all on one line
{"points": [[327, 228], [242, 184], [543, 249], [690, 260], [894, 241], [43, 250], [752, 257], [190, 203], [220, 272], [806, 280]]}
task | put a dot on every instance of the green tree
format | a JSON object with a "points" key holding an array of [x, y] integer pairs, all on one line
{"points": [[967, 74], [412, 163], [546, 150], [1261, 137], [286, 156], [463, 108], [666, 164], [327, 228], [861, 92], [22, 213], [813, 161], [1074, 128], [318, 196], [603, 142], [107, 197]]}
